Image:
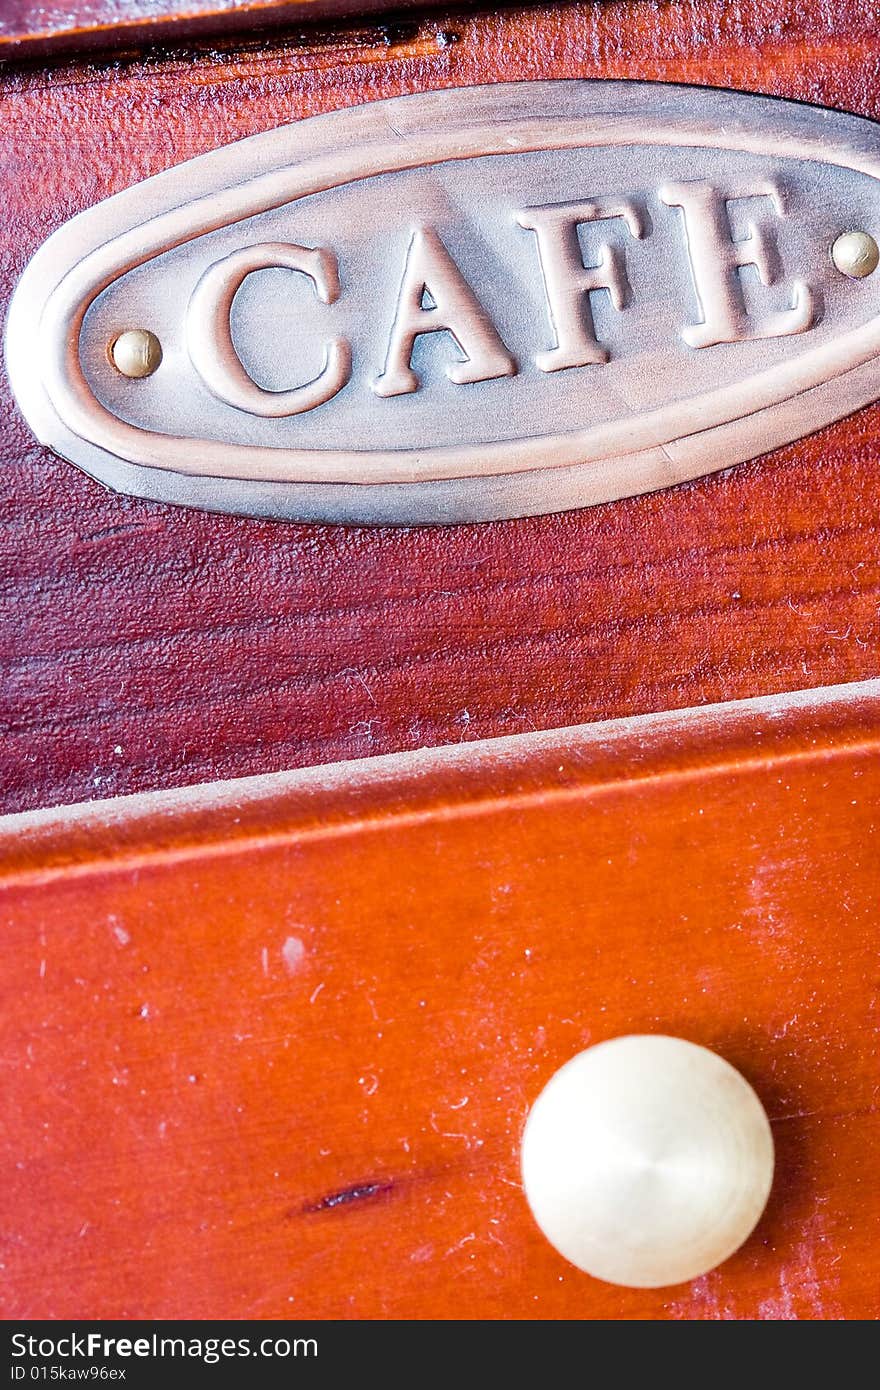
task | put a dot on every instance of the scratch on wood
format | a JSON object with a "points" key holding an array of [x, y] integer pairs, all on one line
{"points": [[360, 1192]]}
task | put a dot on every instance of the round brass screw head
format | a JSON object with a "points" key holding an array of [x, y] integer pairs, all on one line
{"points": [[856, 254], [136, 353]]}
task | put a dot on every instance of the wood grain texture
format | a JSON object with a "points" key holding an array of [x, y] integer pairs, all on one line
{"points": [[268, 1048], [30, 27], [147, 647]]}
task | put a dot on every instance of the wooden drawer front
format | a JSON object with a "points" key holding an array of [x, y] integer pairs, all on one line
{"points": [[268, 1048]]}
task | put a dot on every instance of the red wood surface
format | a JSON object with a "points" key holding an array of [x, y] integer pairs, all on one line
{"points": [[268, 1048], [31, 27], [147, 647]]}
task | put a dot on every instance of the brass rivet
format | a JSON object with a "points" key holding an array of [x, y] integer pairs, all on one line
{"points": [[136, 353], [856, 254]]}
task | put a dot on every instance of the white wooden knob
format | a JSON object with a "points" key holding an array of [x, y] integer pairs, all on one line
{"points": [[647, 1160]]}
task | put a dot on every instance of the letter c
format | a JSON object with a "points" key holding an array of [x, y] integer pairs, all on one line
{"points": [[209, 334]]}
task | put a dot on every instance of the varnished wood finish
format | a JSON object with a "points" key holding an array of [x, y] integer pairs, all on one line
{"points": [[29, 28], [148, 647], [268, 1048]]}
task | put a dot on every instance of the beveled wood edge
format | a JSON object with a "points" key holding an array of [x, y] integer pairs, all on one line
{"points": [[436, 784], [193, 20]]}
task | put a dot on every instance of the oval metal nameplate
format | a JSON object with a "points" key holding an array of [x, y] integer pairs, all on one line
{"points": [[463, 305]]}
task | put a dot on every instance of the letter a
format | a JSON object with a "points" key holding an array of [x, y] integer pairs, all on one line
{"points": [[431, 272]]}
